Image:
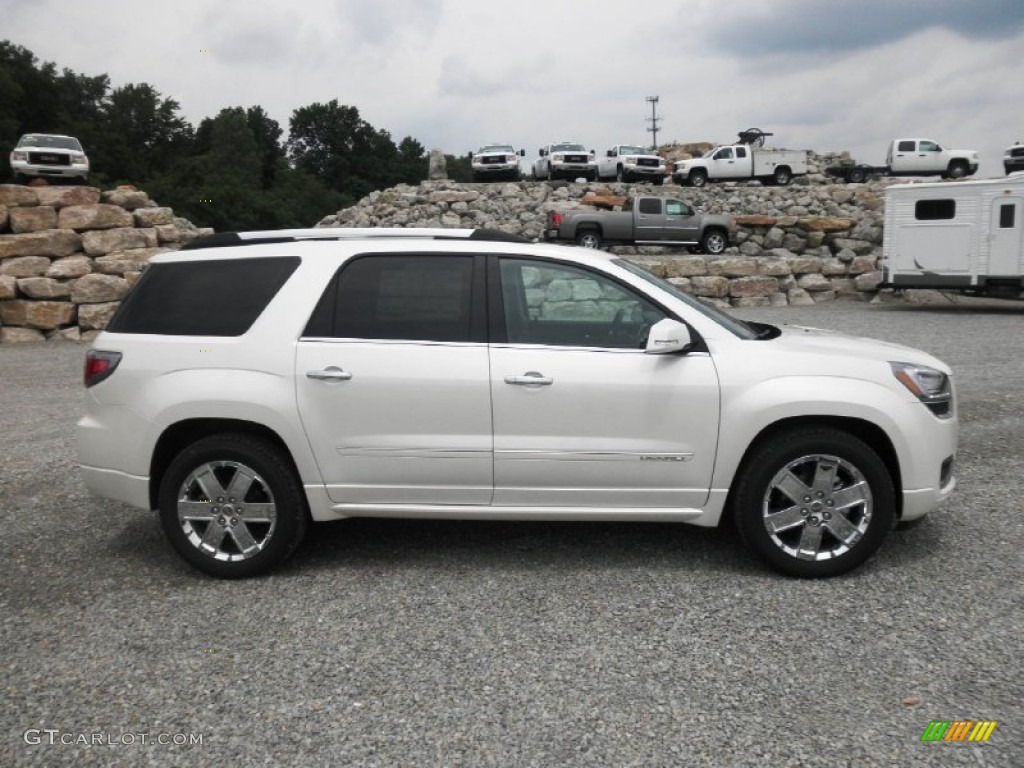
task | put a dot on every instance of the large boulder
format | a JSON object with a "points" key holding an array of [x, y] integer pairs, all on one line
{"points": [[25, 266], [53, 243], [100, 242], [96, 316], [34, 219], [61, 197], [70, 267], [43, 288], [131, 260], [127, 197], [43, 315], [99, 216], [438, 168], [8, 287], [13, 195], [96, 289], [10, 335], [151, 217]]}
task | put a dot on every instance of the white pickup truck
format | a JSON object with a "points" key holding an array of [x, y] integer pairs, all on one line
{"points": [[913, 157], [626, 162], [742, 161]]}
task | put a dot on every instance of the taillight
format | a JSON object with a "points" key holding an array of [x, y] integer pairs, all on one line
{"points": [[99, 365], [556, 218]]}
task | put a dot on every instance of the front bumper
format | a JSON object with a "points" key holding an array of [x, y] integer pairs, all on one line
{"points": [[643, 172], [495, 169], [74, 171], [573, 170]]}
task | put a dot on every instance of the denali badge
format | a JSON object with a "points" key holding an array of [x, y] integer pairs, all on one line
{"points": [[668, 457]]}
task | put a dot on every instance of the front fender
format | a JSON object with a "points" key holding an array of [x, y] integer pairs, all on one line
{"points": [[748, 413]]}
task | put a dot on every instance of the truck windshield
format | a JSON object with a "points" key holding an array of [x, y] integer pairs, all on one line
{"points": [[625, 150], [567, 148], [56, 142], [496, 148], [730, 323]]}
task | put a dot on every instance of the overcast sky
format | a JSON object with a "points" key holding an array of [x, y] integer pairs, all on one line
{"points": [[821, 74]]}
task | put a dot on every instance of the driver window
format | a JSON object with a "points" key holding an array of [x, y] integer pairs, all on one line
{"points": [[677, 208], [724, 154], [929, 146], [561, 305]]}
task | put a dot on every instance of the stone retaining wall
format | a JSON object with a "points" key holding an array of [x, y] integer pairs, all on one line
{"points": [[69, 254], [811, 241]]}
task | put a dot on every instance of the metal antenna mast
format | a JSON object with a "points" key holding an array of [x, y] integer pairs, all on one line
{"points": [[654, 119]]}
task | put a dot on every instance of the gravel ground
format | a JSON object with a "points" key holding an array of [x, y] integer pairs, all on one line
{"points": [[395, 643]]}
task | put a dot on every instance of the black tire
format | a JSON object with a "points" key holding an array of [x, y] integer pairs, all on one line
{"points": [[698, 178], [822, 468], [782, 176], [857, 176], [714, 242], [957, 170], [659, 180], [241, 538], [619, 175], [589, 238]]}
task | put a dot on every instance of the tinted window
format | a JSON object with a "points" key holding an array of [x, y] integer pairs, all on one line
{"points": [[650, 205], [1007, 214], [416, 298], [906, 146], [560, 305], [741, 151], [932, 210], [202, 298]]}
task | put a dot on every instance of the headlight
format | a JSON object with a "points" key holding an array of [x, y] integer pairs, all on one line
{"points": [[79, 159], [931, 387], [556, 158], [22, 156]]}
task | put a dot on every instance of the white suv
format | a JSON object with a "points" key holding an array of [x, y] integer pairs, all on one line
{"points": [[250, 384], [49, 155]]}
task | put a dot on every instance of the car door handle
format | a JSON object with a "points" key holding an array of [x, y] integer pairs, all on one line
{"points": [[331, 373], [530, 379]]}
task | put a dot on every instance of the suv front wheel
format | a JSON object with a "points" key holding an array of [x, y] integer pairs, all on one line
{"points": [[232, 506], [813, 502]]}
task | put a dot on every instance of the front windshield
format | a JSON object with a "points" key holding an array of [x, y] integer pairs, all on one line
{"points": [[567, 148], [730, 323], [496, 148], [624, 150], [58, 142]]}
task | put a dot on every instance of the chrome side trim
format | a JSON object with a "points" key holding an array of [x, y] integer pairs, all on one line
{"points": [[521, 455], [358, 452]]}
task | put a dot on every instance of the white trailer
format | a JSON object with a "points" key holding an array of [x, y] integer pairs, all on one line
{"points": [[966, 237]]}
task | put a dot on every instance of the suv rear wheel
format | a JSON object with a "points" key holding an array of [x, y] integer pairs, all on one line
{"points": [[232, 506], [813, 502]]}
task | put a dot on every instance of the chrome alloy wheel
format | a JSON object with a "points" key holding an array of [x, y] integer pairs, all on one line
{"points": [[817, 507], [226, 511]]}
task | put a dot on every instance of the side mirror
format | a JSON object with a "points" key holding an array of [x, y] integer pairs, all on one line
{"points": [[543, 152], [668, 336], [522, 153], [470, 155]]}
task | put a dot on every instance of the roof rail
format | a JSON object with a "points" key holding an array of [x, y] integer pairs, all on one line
{"points": [[229, 239]]}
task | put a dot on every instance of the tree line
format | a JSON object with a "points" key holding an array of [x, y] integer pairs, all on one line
{"points": [[234, 171]]}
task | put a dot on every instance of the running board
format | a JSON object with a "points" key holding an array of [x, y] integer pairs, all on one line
{"points": [[667, 242], [474, 512]]}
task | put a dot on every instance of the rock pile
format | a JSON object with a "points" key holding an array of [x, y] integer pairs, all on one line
{"points": [[811, 241], [69, 254]]}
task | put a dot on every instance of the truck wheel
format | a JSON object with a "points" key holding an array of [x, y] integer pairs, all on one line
{"points": [[698, 178], [619, 175], [782, 176], [713, 242], [659, 180], [813, 502], [857, 176], [589, 238], [957, 170]]}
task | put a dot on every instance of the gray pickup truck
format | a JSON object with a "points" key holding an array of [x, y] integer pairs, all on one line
{"points": [[643, 221]]}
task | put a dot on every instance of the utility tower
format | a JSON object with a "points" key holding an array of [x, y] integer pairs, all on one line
{"points": [[654, 119]]}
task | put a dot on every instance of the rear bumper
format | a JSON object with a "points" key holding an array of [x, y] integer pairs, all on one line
{"points": [[116, 485]]}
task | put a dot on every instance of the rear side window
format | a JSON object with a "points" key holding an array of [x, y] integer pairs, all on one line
{"points": [[1006, 216], [221, 297], [414, 298], [934, 210], [650, 205], [906, 146]]}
